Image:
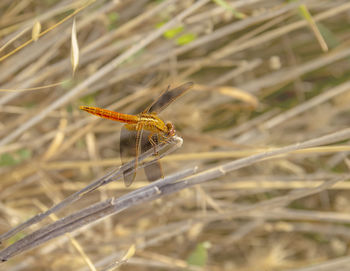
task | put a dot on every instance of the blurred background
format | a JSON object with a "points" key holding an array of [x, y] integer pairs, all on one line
{"points": [[266, 74]]}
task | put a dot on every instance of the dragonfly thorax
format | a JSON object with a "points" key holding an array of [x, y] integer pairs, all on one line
{"points": [[152, 123]]}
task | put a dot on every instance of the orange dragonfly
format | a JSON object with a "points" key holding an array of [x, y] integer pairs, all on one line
{"points": [[143, 131]]}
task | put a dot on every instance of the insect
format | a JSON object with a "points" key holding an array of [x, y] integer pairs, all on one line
{"points": [[143, 131]]}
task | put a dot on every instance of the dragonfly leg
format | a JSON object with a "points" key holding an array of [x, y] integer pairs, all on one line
{"points": [[165, 139], [154, 144], [155, 152], [160, 139]]}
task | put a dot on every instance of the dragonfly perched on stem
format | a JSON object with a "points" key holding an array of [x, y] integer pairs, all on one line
{"points": [[143, 131]]}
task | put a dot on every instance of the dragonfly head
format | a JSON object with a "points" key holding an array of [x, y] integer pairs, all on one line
{"points": [[171, 129]]}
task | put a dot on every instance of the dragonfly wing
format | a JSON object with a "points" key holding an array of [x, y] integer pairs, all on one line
{"points": [[128, 153], [153, 170], [167, 97]]}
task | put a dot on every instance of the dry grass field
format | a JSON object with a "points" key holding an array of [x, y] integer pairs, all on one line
{"points": [[256, 178]]}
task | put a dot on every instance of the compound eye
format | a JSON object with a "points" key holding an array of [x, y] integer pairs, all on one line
{"points": [[171, 128]]}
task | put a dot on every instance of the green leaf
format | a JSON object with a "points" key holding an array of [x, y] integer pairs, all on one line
{"points": [[24, 154], [186, 38], [7, 159], [199, 255], [113, 17], [171, 33]]}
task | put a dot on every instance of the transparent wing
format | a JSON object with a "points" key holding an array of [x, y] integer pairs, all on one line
{"points": [[153, 170], [167, 97], [128, 153]]}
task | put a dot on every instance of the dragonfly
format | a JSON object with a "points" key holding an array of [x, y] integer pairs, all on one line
{"points": [[143, 131]]}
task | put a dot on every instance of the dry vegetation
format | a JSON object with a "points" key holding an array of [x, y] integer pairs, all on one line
{"points": [[271, 84]]}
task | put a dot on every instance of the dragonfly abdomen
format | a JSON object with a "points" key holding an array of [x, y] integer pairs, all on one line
{"points": [[108, 114]]}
